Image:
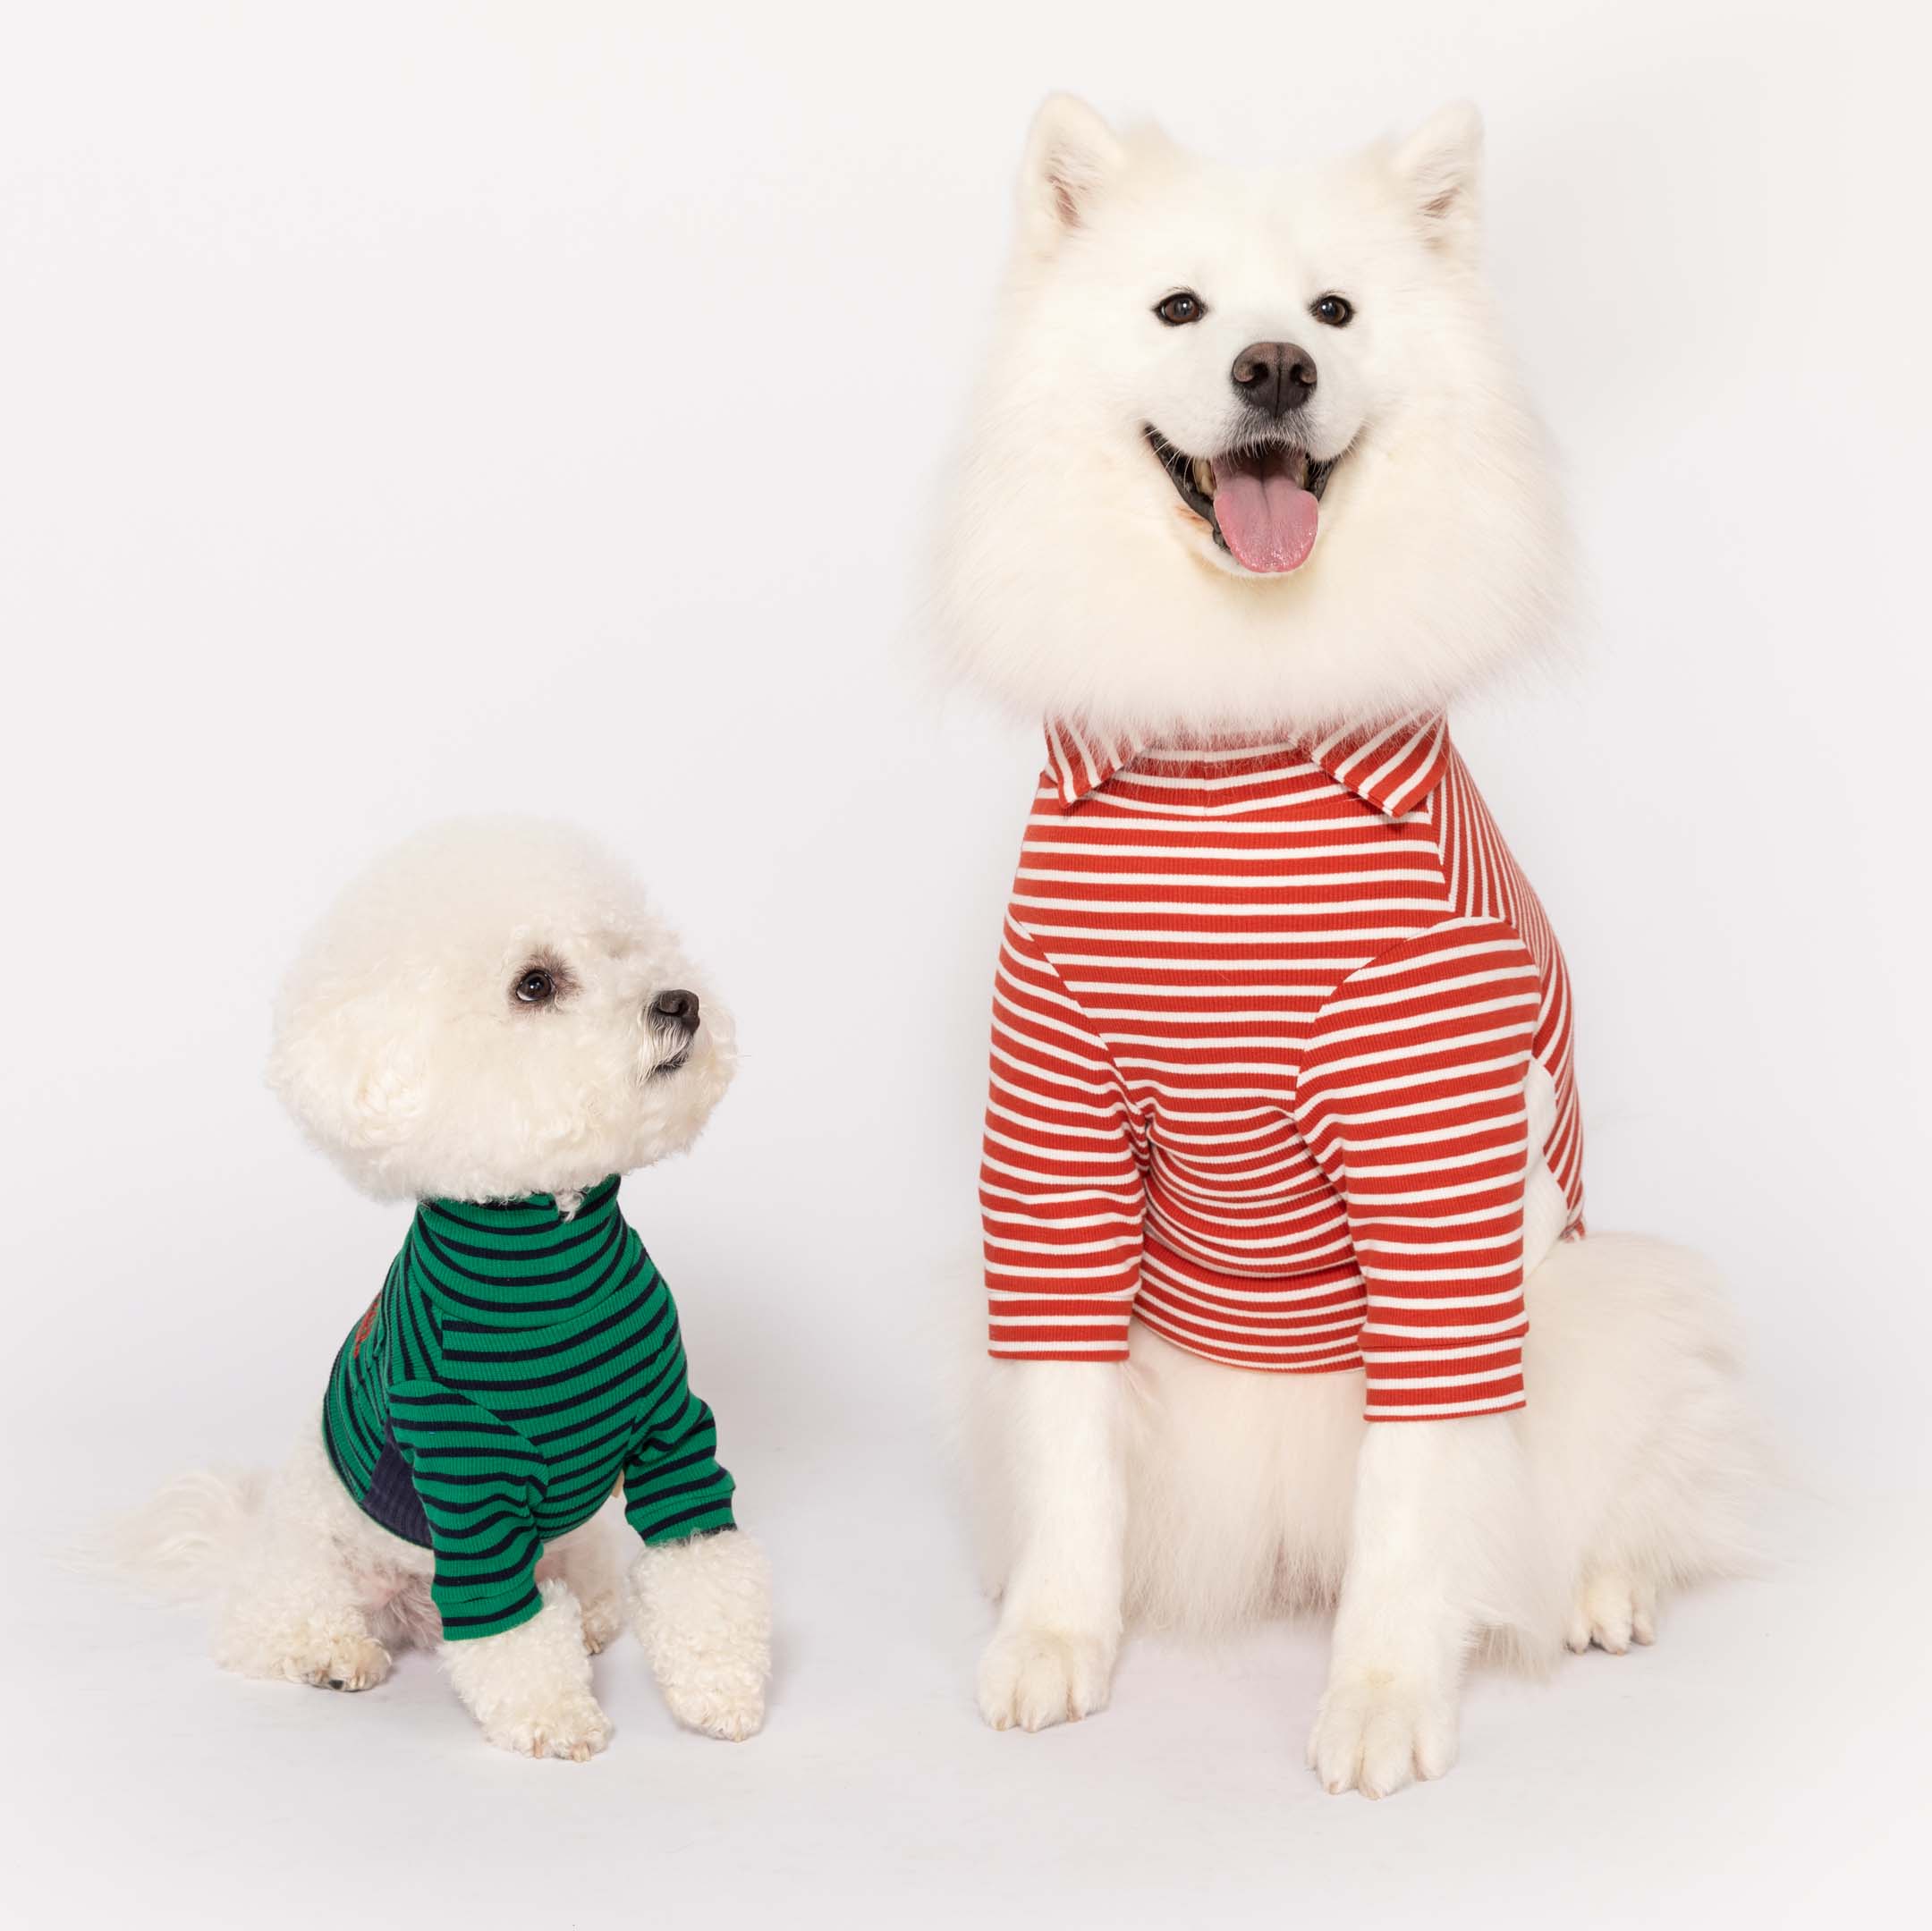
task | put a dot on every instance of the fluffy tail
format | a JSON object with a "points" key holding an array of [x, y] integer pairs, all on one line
{"points": [[183, 1545]]}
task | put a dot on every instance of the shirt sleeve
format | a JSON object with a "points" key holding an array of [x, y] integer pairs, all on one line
{"points": [[673, 1485], [479, 1482], [1412, 1098], [1062, 1188]]}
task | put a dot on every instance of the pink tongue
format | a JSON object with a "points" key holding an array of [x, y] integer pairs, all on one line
{"points": [[1268, 522]]}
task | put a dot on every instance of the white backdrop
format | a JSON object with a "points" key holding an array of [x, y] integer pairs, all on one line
{"points": [[412, 409]]}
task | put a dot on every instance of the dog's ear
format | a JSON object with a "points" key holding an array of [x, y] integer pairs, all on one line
{"points": [[1071, 152], [354, 1081], [1439, 166]]}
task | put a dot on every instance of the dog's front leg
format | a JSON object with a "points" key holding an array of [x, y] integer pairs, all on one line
{"points": [[1051, 1659], [1440, 1545], [529, 1686], [703, 1611]]}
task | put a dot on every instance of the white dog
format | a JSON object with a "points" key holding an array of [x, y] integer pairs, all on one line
{"points": [[492, 1023], [1281, 1060]]}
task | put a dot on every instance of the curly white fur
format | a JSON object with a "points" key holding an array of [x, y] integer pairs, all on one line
{"points": [[529, 1687], [399, 1048], [703, 1614]]}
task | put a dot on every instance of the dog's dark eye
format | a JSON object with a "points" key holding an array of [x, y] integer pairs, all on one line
{"points": [[1336, 311], [536, 988], [1182, 307]]}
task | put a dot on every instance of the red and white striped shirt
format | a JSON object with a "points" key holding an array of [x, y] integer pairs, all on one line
{"points": [[1266, 1034]]}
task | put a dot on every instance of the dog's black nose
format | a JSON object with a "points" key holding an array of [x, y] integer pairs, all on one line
{"points": [[1277, 377], [679, 1005]]}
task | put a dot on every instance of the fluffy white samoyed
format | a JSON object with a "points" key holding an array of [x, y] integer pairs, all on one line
{"points": [[1249, 491]]}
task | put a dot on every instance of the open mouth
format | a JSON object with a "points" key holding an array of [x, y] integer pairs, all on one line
{"points": [[1261, 500]]}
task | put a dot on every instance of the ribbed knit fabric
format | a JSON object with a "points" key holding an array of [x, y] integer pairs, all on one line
{"points": [[1264, 1022], [515, 1366]]}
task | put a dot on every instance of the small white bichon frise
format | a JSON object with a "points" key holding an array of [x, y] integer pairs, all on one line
{"points": [[492, 1023]]}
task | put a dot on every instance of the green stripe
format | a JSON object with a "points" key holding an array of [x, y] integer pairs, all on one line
{"points": [[524, 1364]]}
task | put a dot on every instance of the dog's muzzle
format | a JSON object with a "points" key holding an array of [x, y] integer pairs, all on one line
{"points": [[673, 1017]]}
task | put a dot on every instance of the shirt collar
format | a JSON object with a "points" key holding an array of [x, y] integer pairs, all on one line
{"points": [[1393, 766], [1081, 758]]}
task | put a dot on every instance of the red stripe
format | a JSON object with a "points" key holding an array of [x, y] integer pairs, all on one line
{"points": [[1262, 1019]]}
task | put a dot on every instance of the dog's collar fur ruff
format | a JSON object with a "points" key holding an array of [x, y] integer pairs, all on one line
{"points": [[1393, 766], [533, 1213]]}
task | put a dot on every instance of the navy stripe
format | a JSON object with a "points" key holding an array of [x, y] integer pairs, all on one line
{"points": [[432, 1441]]}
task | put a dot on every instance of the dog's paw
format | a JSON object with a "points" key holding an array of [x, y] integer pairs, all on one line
{"points": [[603, 1617], [1376, 1733], [728, 1705], [1031, 1679], [529, 1686], [1613, 1610], [570, 1726], [336, 1661], [703, 1611]]}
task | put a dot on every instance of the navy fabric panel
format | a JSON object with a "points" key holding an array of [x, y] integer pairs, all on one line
{"points": [[392, 1499]]}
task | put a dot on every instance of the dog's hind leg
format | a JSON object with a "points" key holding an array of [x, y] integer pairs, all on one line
{"points": [[586, 1559], [298, 1608], [1063, 1441], [1645, 1459]]}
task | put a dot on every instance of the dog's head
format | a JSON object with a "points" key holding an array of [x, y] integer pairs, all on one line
{"points": [[1248, 449], [494, 1011]]}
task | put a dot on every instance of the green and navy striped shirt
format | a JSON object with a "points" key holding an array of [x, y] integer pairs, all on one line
{"points": [[516, 1365]]}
